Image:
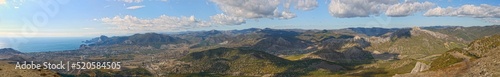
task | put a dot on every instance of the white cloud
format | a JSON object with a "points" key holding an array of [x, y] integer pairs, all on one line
{"points": [[358, 8], [249, 8], [132, 1], [481, 11], [408, 8], [222, 19], [131, 23], [365, 8], [162, 23], [285, 15], [306, 4], [253, 9], [135, 7], [438, 11]]}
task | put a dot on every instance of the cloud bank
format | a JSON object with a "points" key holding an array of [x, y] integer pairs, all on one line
{"points": [[306, 4], [164, 22], [365, 8], [253, 9], [131, 23], [481, 11], [405, 9]]}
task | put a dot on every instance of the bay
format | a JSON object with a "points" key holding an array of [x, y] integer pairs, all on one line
{"points": [[42, 44]]}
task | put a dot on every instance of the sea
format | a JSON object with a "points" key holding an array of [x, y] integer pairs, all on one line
{"points": [[42, 44]]}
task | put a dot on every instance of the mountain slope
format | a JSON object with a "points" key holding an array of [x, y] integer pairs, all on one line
{"points": [[13, 55], [343, 50], [147, 39], [417, 43], [479, 59], [469, 33], [245, 62]]}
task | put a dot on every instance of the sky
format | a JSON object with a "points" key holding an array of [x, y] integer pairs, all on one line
{"points": [[92, 18]]}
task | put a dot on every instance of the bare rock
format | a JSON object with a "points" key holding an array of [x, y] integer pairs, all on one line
{"points": [[419, 66]]}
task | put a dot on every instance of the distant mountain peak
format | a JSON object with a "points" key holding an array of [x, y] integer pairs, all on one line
{"points": [[9, 51]]}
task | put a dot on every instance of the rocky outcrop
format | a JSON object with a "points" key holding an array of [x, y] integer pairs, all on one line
{"points": [[419, 67]]}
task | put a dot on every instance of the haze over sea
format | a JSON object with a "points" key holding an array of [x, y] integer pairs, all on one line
{"points": [[42, 44]]}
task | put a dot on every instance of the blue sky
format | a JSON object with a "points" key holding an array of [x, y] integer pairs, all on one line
{"points": [[90, 18]]}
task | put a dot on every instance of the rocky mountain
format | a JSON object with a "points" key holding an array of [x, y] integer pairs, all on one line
{"points": [[9, 53]]}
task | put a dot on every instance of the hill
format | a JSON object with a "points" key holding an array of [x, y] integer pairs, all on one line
{"points": [[469, 33], [247, 62], [479, 59], [147, 39], [416, 43], [11, 54]]}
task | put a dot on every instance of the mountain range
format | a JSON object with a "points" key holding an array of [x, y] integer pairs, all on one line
{"points": [[416, 51]]}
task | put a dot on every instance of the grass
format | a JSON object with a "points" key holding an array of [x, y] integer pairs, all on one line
{"points": [[444, 61]]}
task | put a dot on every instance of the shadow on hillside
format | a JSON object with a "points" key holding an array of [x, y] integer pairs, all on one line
{"points": [[386, 56]]}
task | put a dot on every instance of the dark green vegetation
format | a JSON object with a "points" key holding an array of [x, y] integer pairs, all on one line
{"points": [[368, 52]]}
